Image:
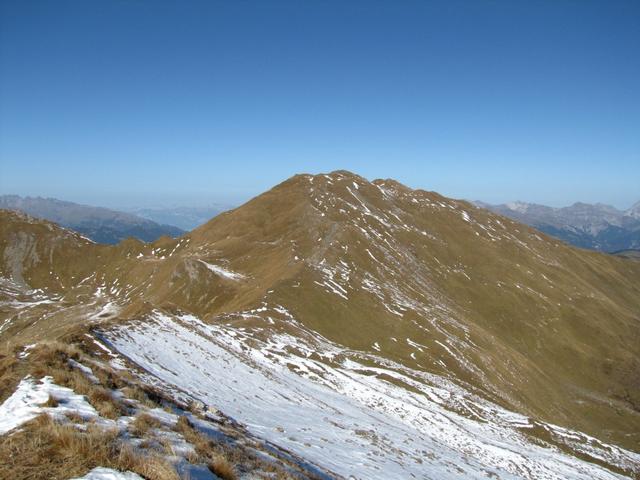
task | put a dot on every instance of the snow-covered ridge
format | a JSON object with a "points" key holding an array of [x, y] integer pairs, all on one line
{"points": [[343, 415]]}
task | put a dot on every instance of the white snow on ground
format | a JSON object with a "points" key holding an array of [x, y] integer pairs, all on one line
{"points": [[101, 473], [223, 272], [26, 351], [108, 310], [26, 403], [345, 417], [116, 361]]}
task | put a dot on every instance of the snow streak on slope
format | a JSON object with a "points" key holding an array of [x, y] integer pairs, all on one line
{"points": [[327, 405], [223, 272]]}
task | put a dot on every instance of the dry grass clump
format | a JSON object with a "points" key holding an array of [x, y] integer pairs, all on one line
{"points": [[52, 402], [11, 372], [98, 396], [167, 447], [107, 378], [221, 467], [74, 417], [45, 449], [49, 354], [55, 363], [202, 444], [41, 359], [214, 455], [52, 359], [136, 393], [152, 467], [104, 403], [142, 424]]}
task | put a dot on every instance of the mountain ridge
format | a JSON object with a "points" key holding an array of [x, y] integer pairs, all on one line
{"points": [[98, 223], [593, 226], [185, 218], [388, 276]]}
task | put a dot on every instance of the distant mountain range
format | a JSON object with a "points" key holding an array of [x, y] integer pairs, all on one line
{"points": [[593, 226], [597, 227], [185, 218], [99, 224]]}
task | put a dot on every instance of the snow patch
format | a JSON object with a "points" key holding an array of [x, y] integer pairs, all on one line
{"points": [[101, 473], [223, 272]]}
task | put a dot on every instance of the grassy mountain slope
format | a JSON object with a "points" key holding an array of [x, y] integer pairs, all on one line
{"points": [[529, 321], [405, 276]]}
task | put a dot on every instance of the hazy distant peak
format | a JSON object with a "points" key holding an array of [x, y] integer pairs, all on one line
{"points": [[99, 224], [597, 226], [518, 206], [634, 211], [185, 218]]}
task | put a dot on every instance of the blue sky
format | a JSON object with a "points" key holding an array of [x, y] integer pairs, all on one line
{"points": [[123, 103]]}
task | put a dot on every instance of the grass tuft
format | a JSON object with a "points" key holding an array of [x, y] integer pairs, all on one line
{"points": [[142, 424], [45, 449], [52, 402], [221, 467]]}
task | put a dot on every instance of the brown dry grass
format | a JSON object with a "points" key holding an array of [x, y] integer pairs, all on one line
{"points": [[11, 372], [52, 353], [44, 449], [134, 392], [99, 397], [104, 403], [74, 417], [52, 358], [222, 468], [152, 467], [42, 359], [142, 424], [51, 402], [219, 458]]}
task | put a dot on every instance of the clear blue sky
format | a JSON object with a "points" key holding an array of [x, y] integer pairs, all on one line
{"points": [[185, 102]]}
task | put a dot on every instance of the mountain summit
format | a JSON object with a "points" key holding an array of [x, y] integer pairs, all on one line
{"points": [[419, 333], [634, 211]]}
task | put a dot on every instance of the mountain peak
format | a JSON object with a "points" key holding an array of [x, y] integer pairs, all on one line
{"points": [[402, 301], [634, 211], [517, 206]]}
